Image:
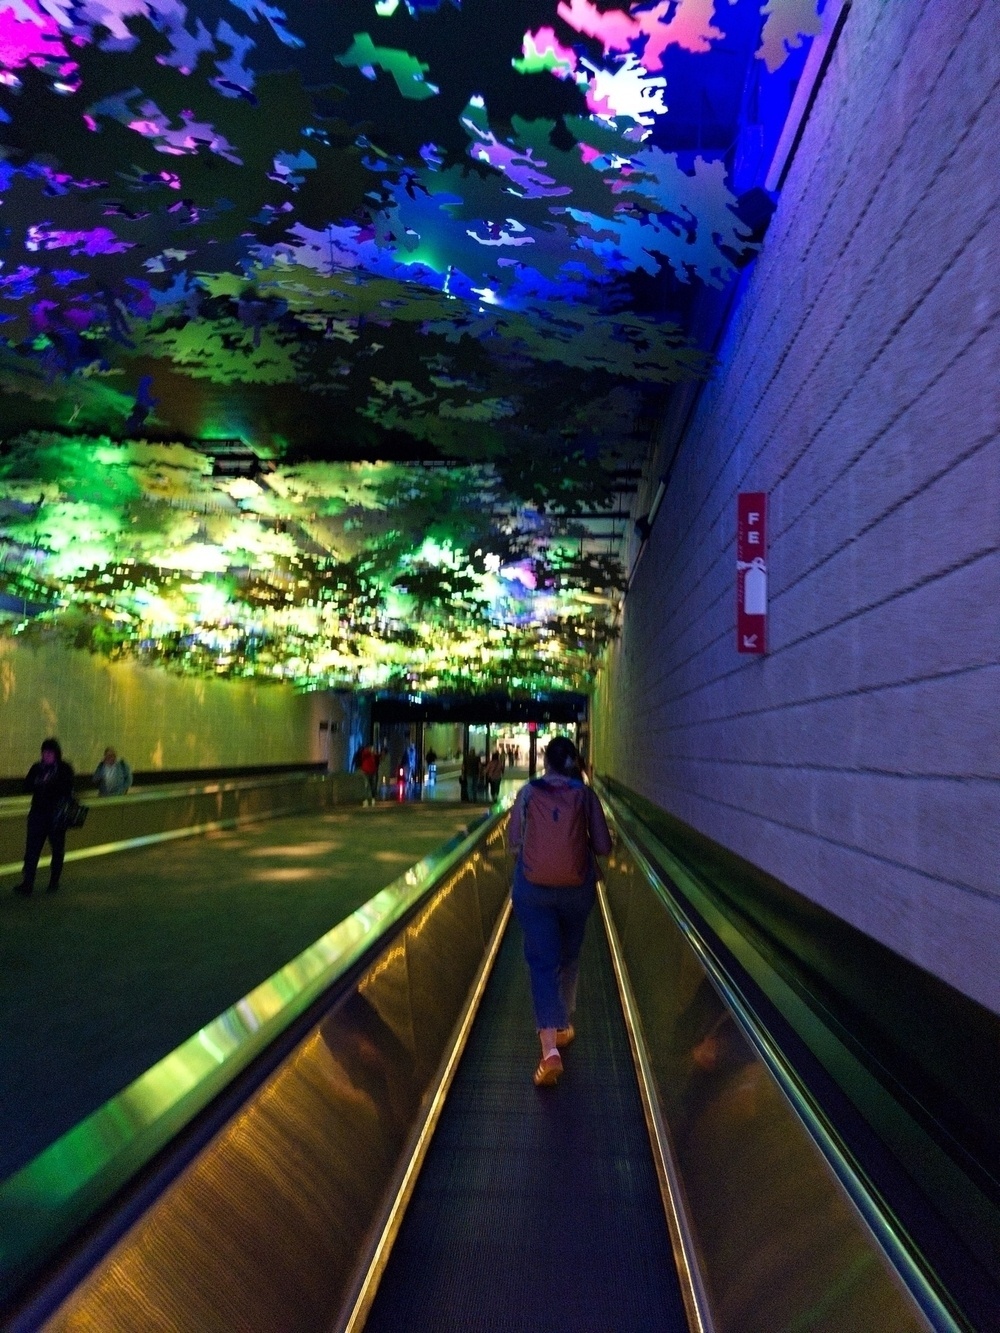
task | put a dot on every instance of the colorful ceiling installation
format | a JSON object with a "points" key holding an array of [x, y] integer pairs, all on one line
{"points": [[321, 325]]}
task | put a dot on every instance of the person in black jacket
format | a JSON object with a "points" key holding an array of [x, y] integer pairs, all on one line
{"points": [[50, 783]]}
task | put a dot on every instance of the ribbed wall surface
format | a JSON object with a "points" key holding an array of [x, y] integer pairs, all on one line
{"points": [[860, 760]]}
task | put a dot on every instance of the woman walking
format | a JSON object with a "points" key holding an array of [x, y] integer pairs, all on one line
{"points": [[50, 783], [557, 827]]}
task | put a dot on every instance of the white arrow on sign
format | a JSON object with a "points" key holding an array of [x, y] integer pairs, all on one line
{"points": [[749, 640]]}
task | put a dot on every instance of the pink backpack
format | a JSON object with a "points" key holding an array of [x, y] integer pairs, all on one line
{"points": [[555, 849]]}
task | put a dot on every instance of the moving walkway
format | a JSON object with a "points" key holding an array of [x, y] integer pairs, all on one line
{"points": [[357, 1144]]}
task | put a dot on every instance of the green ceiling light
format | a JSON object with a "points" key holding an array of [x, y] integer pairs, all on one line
{"points": [[231, 457]]}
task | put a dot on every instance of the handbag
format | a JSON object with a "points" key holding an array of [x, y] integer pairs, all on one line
{"points": [[70, 814]]}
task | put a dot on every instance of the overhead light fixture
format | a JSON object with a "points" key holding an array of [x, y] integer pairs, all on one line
{"points": [[232, 457]]}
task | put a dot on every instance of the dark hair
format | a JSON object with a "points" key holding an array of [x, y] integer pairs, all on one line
{"points": [[561, 756], [50, 743]]}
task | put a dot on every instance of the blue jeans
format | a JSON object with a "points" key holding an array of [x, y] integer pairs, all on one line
{"points": [[553, 921]]}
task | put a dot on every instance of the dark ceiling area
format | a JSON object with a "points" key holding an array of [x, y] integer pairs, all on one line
{"points": [[478, 709]]}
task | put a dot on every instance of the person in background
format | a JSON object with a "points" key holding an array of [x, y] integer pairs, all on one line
{"points": [[494, 774], [112, 776], [411, 762], [383, 774], [470, 776], [366, 762], [50, 783], [557, 828], [432, 766]]}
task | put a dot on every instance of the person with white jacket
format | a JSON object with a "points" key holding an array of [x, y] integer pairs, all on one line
{"points": [[112, 776]]}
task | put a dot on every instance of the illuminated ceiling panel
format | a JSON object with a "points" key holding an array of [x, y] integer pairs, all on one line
{"points": [[467, 234]]}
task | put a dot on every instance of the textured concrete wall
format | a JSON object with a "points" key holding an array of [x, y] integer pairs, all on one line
{"points": [[858, 385], [154, 719]]}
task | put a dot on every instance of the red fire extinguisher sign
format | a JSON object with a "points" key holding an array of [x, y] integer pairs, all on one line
{"points": [[751, 572]]}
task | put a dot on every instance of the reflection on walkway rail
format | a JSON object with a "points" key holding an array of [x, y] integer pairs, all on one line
{"points": [[46, 1201]]}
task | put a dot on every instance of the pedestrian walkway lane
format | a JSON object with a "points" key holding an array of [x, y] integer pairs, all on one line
{"points": [[537, 1208]]}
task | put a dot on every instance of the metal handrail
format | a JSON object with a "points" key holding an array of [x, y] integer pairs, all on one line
{"points": [[161, 791], [877, 1213]]}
